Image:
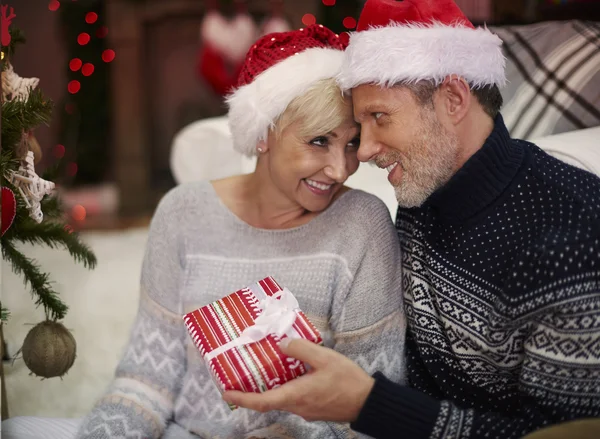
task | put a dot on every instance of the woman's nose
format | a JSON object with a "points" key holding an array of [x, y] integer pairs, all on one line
{"points": [[337, 169]]}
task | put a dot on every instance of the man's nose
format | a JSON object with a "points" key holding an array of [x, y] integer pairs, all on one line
{"points": [[369, 146]]}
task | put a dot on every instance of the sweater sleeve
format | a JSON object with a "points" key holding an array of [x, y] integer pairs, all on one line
{"points": [[139, 401], [559, 378], [368, 322]]}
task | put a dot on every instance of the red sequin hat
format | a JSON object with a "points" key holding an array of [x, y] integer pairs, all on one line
{"points": [[278, 68], [413, 40]]}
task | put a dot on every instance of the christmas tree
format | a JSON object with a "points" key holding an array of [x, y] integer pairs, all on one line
{"points": [[31, 212]]}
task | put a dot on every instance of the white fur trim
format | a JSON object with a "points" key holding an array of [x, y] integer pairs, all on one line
{"points": [[409, 53], [254, 107]]}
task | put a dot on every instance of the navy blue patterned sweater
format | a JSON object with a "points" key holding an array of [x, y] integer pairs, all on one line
{"points": [[502, 289]]}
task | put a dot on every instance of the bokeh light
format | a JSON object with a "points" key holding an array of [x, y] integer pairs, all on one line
{"points": [[349, 22], [74, 86], [83, 38], [308, 19], [72, 169], [91, 17], [75, 64], [78, 212], [59, 151], [87, 69], [53, 5], [108, 55]]}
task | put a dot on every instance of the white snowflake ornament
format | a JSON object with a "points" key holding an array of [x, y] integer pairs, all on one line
{"points": [[15, 87], [31, 186]]}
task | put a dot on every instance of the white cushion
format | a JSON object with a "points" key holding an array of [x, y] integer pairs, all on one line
{"points": [[204, 151]]}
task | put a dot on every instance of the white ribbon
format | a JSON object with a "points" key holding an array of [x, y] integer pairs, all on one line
{"points": [[277, 317]]}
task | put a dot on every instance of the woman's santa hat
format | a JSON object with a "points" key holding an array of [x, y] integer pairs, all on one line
{"points": [[278, 68], [412, 40]]}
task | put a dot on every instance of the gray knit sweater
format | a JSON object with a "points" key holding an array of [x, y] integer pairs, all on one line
{"points": [[343, 267]]}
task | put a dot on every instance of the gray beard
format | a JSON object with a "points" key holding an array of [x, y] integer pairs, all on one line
{"points": [[431, 164]]}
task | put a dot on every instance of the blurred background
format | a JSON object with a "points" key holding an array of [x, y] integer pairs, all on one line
{"points": [[127, 77]]}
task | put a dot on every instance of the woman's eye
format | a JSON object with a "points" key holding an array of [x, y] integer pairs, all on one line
{"points": [[319, 141]]}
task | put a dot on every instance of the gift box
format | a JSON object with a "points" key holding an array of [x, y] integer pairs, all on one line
{"points": [[239, 336]]}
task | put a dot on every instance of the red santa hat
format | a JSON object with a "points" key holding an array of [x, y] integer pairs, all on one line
{"points": [[278, 68], [412, 40]]}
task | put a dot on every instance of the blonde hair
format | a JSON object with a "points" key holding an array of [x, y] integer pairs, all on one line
{"points": [[320, 110]]}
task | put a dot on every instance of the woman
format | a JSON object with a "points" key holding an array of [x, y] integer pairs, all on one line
{"points": [[334, 248]]}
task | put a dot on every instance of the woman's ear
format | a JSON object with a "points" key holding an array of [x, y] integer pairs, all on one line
{"points": [[261, 147], [457, 98]]}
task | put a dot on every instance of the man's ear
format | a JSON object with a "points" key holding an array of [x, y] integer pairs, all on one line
{"points": [[455, 99]]}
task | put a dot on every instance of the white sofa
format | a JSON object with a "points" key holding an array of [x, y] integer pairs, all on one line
{"points": [[103, 302]]}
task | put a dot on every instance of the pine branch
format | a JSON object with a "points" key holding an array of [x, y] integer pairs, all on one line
{"points": [[54, 308], [52, 207], [54, 235], [19, 116]]}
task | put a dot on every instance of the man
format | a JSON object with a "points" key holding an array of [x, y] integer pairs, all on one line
{"points": [[501, 247]]}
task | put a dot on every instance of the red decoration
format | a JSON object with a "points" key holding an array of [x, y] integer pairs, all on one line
{"points": [[83, 38], [5, 21], [108, 55], [9, 210], [215, 71], [329, 2], [308, 19], [54, 5], [75, 64], [87, 69], [91, 17], [74, 86], [349, 22]]}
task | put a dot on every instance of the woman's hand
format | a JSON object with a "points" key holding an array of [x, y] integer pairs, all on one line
{"points": [[335, 388]]}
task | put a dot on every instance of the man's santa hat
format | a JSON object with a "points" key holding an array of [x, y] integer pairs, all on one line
{"points": [[412, 40], [278, 68]]}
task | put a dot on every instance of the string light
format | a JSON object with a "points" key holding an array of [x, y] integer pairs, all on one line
{"points": [[329, 2], [87, 69], [108, 55], [74, 86], [308, 19], [83, 38], [54, 5], [349, 22], [91, 17], [75, 64]]}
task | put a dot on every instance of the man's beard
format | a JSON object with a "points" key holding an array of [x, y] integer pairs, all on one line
{"points": [[428, 164]]}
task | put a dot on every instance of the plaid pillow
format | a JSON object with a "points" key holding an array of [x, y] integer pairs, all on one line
{"points": [[553, 69]]}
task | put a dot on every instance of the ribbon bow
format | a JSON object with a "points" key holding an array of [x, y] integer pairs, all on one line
{"points": [[278, 317]]}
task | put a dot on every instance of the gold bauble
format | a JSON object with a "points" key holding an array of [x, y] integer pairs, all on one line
{"points": [[49, 349]]}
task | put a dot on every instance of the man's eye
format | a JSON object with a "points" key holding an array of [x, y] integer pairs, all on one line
{"points": [[376, 115], [354, 143], [319, 141]]}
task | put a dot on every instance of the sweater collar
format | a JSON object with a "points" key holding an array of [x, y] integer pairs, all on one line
{"points": [[482, 178]]}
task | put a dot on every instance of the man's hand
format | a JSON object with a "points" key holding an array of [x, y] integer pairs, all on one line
{"points": [[335, 389]]}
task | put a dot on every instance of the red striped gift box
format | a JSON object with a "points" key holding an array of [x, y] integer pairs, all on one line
{"points": [[256, 366]]}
